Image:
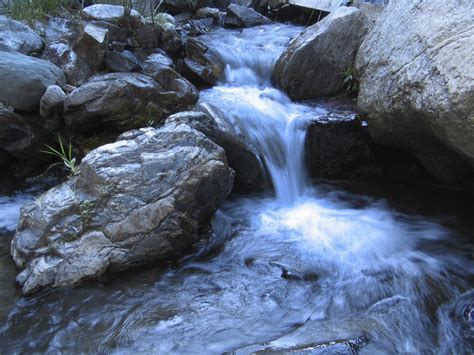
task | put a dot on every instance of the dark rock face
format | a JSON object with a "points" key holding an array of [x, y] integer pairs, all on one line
{"points": [[337, 147], [201, 64], [122, 101], [25, 79], [124, 61], [51, 108], [249, 169], [246, 16], [92, 45], [23, 138], [417, 84], [144, 198], [313, 64], [19, 37]]}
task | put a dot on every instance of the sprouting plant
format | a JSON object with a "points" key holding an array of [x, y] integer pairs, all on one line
{"points": [[66, 157], [86, 209], [151, 122], [32, 11], [350, 82], [105, 189]]}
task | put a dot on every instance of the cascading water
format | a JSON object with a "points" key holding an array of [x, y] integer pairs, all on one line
{"points": [[313, 266], [264, 114]]}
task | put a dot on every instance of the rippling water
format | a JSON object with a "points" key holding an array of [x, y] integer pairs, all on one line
{"points": [[312, 266]]}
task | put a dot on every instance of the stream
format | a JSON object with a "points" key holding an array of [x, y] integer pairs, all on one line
{"points": [[349, 268]]}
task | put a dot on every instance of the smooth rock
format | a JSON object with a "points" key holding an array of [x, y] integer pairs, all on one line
{"points": [[417, 84], [25, 79], [119, 102], [144, 198], [52, 103], [247, 16], [19, 37], [250, 174], [313, 64]]}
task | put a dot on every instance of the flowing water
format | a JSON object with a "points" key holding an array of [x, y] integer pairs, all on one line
{"points": [[315, 268]]}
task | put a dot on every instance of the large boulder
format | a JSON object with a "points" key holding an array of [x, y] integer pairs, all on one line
{"points": [[417, 83], [19, 37], [25, 79], [246, 16], [122, 101], [250, 174], [313, 64], [144, 198]]}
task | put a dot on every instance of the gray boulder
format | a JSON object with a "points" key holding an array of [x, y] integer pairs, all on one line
{"points": [[25, 79], [313, 64], [19, 37], [51, 108], [144, 198], [77, 71], [417, 83], [250, 174], [246, 16], [201, 64], [122, 101]]}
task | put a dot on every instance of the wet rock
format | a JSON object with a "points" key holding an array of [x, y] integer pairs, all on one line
{"points": [[92, 44], [172, 43], [242, 156], [141, 199], [121, 101], [60, 30], [124, 61], [337, 146], [115, 14], [148, 36], [182, 92], [201, 63], [417, 84], [75, 68], [157, 60], [246, 16], [23, 138], [313, 64], [25, 79], [19, 37], [116, 33], [51, 107]]}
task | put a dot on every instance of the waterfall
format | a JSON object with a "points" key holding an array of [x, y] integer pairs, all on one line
{"points": [[246, 98]]}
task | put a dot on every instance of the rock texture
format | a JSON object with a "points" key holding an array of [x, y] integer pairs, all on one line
{"points": [[124, 61], [23, 138], [76, 69], [109, 13], [337, 147], [92, 45], [246, 16], [313, 64], [19, 37], [144, 198], [417, 83], [122, 101], [25, 79], [250, 174], [201, 63]]}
